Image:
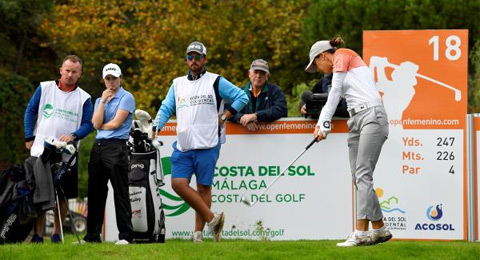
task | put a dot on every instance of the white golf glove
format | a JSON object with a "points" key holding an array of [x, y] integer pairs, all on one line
{"points": [[325, 127]]}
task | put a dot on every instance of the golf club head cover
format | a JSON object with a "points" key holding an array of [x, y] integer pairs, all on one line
{"points": [[143, 116], [69, 149], [144, 121]]}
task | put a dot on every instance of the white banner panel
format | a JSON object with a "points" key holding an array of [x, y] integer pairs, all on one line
{"points": [[312, 201]]}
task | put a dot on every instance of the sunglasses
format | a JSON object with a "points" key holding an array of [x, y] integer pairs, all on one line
{"points": [[197, 57]]}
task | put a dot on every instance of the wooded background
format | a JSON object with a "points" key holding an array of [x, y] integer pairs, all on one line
{"points": [[148, 40]]}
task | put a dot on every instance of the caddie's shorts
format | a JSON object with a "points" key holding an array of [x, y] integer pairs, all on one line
{"points": [[200, 162]]}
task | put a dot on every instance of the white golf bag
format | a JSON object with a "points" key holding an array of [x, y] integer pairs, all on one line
{"points": [[145, 177]]}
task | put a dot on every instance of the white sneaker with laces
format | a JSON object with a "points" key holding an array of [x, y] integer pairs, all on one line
{"points": [[197, 237], [216, 226], [355, 240], [122, 242], [381, 236]]}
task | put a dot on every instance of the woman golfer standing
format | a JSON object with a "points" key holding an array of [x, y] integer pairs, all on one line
{"points": [[368, 130]]}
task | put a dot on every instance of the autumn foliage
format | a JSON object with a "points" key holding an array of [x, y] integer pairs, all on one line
{"points": [[148, 39]]}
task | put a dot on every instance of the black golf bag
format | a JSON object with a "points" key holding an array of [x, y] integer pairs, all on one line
{"points": [[145, 177], [18, 212]]}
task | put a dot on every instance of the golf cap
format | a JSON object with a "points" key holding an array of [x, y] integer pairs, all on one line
{"points": [[112, 69], [260, 64], [316, 49], [197, 47]]}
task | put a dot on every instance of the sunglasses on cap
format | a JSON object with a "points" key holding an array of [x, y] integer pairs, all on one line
{"points": [[197, 57]]}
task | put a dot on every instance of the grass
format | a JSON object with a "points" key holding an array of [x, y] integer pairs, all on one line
{"points": [[242, 250]]}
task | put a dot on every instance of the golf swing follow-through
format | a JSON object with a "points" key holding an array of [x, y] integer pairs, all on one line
{"points": [[248, 202]]}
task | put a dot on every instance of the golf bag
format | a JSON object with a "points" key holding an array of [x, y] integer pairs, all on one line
{"points": [[18, 186], [17, 212], [145, 177]]}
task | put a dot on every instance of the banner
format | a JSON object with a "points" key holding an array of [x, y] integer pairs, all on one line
{"points": [[312, 201], [422, 77]]}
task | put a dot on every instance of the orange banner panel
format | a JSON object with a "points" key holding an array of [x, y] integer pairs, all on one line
{"points": [[422, 75], [277, 127]]}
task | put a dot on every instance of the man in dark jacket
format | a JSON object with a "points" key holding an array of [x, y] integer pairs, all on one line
{"points": [[266, 101]]}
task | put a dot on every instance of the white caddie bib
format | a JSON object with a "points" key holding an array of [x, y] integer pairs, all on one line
{"points": [[197, 114], [59, 113]]}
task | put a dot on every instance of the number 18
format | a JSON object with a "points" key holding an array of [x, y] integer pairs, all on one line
{"points": [[452, 52]]}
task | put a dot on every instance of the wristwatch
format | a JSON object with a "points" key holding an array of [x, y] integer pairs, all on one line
{"points": [[223, 117]]}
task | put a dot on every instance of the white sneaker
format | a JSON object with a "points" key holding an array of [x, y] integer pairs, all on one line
{"points": [[216, 226], [379, 236], [122, 242], [355, 240], [197, 237]]}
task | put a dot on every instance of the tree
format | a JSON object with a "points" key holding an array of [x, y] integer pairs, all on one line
{"points": [[16, 91], [23, 63], [20, 39], [148, 39]]}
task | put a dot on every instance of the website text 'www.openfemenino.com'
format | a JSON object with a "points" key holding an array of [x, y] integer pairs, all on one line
{"points": [[419, 122]]}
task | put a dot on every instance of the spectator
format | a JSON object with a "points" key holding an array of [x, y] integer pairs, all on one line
{"points": [[266, 101]]}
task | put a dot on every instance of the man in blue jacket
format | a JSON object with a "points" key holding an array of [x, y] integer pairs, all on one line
{"points": [[266, 101]]}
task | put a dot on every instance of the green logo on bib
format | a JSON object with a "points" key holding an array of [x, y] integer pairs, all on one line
{"points": [[47, 111]]}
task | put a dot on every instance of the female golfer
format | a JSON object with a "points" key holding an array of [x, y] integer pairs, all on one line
{"points": [[109, 157], [368, 130]]}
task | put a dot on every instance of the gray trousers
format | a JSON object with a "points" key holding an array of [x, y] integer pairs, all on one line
{"points": [[368, 130]]}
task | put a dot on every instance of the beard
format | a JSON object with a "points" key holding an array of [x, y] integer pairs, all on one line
{"points": [[196, 68]]}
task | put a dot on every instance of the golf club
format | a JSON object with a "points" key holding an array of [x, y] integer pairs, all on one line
{"points": [[155, 142], [244, 198], [59, 216]]}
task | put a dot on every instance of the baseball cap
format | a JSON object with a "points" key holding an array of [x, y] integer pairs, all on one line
{"points": [[197, 47], [316, 49], [260, 64], [112, 69]]}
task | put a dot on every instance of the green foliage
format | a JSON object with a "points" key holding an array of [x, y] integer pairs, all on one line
{"points": [[21, 43], [474, 79], [293, 100], [16, 92], [325, 19]]}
